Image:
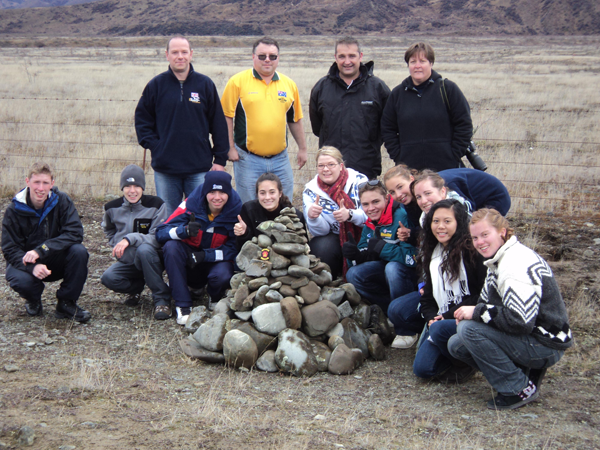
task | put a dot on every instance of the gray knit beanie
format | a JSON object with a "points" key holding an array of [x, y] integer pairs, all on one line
{"points": [[133, 174]]}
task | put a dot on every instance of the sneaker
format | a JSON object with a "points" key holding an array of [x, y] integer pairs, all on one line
{"points": [[162, 312], [70, 310], [133, 300], [183, 315], [527, 395], [34, 307], [405, 341], [536, 376]]}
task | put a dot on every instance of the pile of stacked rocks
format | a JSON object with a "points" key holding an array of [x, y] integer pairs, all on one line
{"points": [[284, 313]]}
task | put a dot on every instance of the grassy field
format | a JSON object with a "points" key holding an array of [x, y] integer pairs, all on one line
{"points": [[534, 100]]}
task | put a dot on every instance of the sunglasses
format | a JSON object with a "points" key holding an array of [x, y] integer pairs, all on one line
{"points": [[371, 183], [271, 57]]}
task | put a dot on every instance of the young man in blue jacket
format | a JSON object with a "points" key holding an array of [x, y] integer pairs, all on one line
{"points": [[129, 224], [199, 243], [42, 241]]}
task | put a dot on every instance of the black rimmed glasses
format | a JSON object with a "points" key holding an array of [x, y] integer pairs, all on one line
{"points": [[264, 57], [330, 166]]}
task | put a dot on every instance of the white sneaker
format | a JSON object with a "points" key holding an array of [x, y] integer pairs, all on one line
{"points": [[405, 341], [183, 315]]}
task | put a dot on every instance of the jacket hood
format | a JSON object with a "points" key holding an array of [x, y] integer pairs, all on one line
{"points": [[408, 82], [366, 70], [197, 203], [20, 202]]}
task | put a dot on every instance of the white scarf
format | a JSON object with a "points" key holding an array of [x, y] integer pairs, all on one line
{"points": [[446, 293]]}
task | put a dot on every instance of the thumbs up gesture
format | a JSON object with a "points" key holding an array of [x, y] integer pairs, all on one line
{"points": [[403, 233], [192, 228], [315, 210], [239, 229]]}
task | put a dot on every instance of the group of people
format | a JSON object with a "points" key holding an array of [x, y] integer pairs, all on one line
{"points": [[432, 249]]}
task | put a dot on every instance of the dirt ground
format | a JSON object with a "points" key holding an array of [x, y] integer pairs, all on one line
{"points": [[121, 381]]}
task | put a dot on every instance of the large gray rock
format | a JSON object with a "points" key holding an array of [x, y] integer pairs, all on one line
{"points": [[299, 271], [258, 268], [355, 337], [248, 252], [263, 341], [198, 316], [319, 318], [266, 362], [268, 226], [299, 282], [243, 315], [26, 436], [261, 298], [286, 279], [210, 334], [273, 296], [283, 219], [310, 293], [289, 249], [334, 295], [239, 299], [264, 241], [239, 349], [294, 354], [223, 307], [287, 237], [278, 261], [269, 318], [344, 361], [192, 349], [351, 294], [322, 354], [279, 273], [334, 341], [301, 260]]}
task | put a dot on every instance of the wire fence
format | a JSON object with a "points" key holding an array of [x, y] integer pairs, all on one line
{"points": [[89, 163]]}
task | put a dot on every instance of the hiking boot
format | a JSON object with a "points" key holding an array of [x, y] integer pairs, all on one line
{"points": [[162, 312], [70, 310], [503, 402], [183, 314], [405, 341], [34, 307], [133, 300], [379, 325]]}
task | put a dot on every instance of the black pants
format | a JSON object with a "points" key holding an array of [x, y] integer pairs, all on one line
{"points": [[329, 250], [70, 266]]}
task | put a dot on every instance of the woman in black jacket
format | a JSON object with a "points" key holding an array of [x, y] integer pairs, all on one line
{"points": [[426, 123], [270, 200]]}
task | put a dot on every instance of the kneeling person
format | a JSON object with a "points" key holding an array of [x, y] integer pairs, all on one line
{"points": [[42, 241], [199, 242], [129, 224]]}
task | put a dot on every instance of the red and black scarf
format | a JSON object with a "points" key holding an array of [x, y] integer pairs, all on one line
{"points": [[337, 193]]}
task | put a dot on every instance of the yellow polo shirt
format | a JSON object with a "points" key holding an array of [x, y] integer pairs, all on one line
{"points": [[261, 111]]}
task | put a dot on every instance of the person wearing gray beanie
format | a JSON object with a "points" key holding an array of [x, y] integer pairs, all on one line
{"points": [[133, 175]]}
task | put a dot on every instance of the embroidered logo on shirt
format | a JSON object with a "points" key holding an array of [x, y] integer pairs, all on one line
{"points": [[385, 233], [195, 97], [366, 102], [282, 94]]}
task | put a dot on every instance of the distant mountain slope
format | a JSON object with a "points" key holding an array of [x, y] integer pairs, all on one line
{"points": [[281, 17], [15, 4]]}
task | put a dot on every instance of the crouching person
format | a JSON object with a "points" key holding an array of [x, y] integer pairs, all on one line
{"points": [[41, 241], [199, 242], [129, 224]]}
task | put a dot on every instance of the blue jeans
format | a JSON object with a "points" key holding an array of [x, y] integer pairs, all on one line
{"points": [[404, 314], [495, 354], [250, 167], [215, 275], [381, 281], [433, 357], [174, 188]]}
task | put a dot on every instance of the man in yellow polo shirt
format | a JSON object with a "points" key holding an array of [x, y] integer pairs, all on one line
{"points": [[258, 104]]}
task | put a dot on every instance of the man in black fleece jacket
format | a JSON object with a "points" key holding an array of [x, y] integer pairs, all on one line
{"points": [[178, 112]]}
